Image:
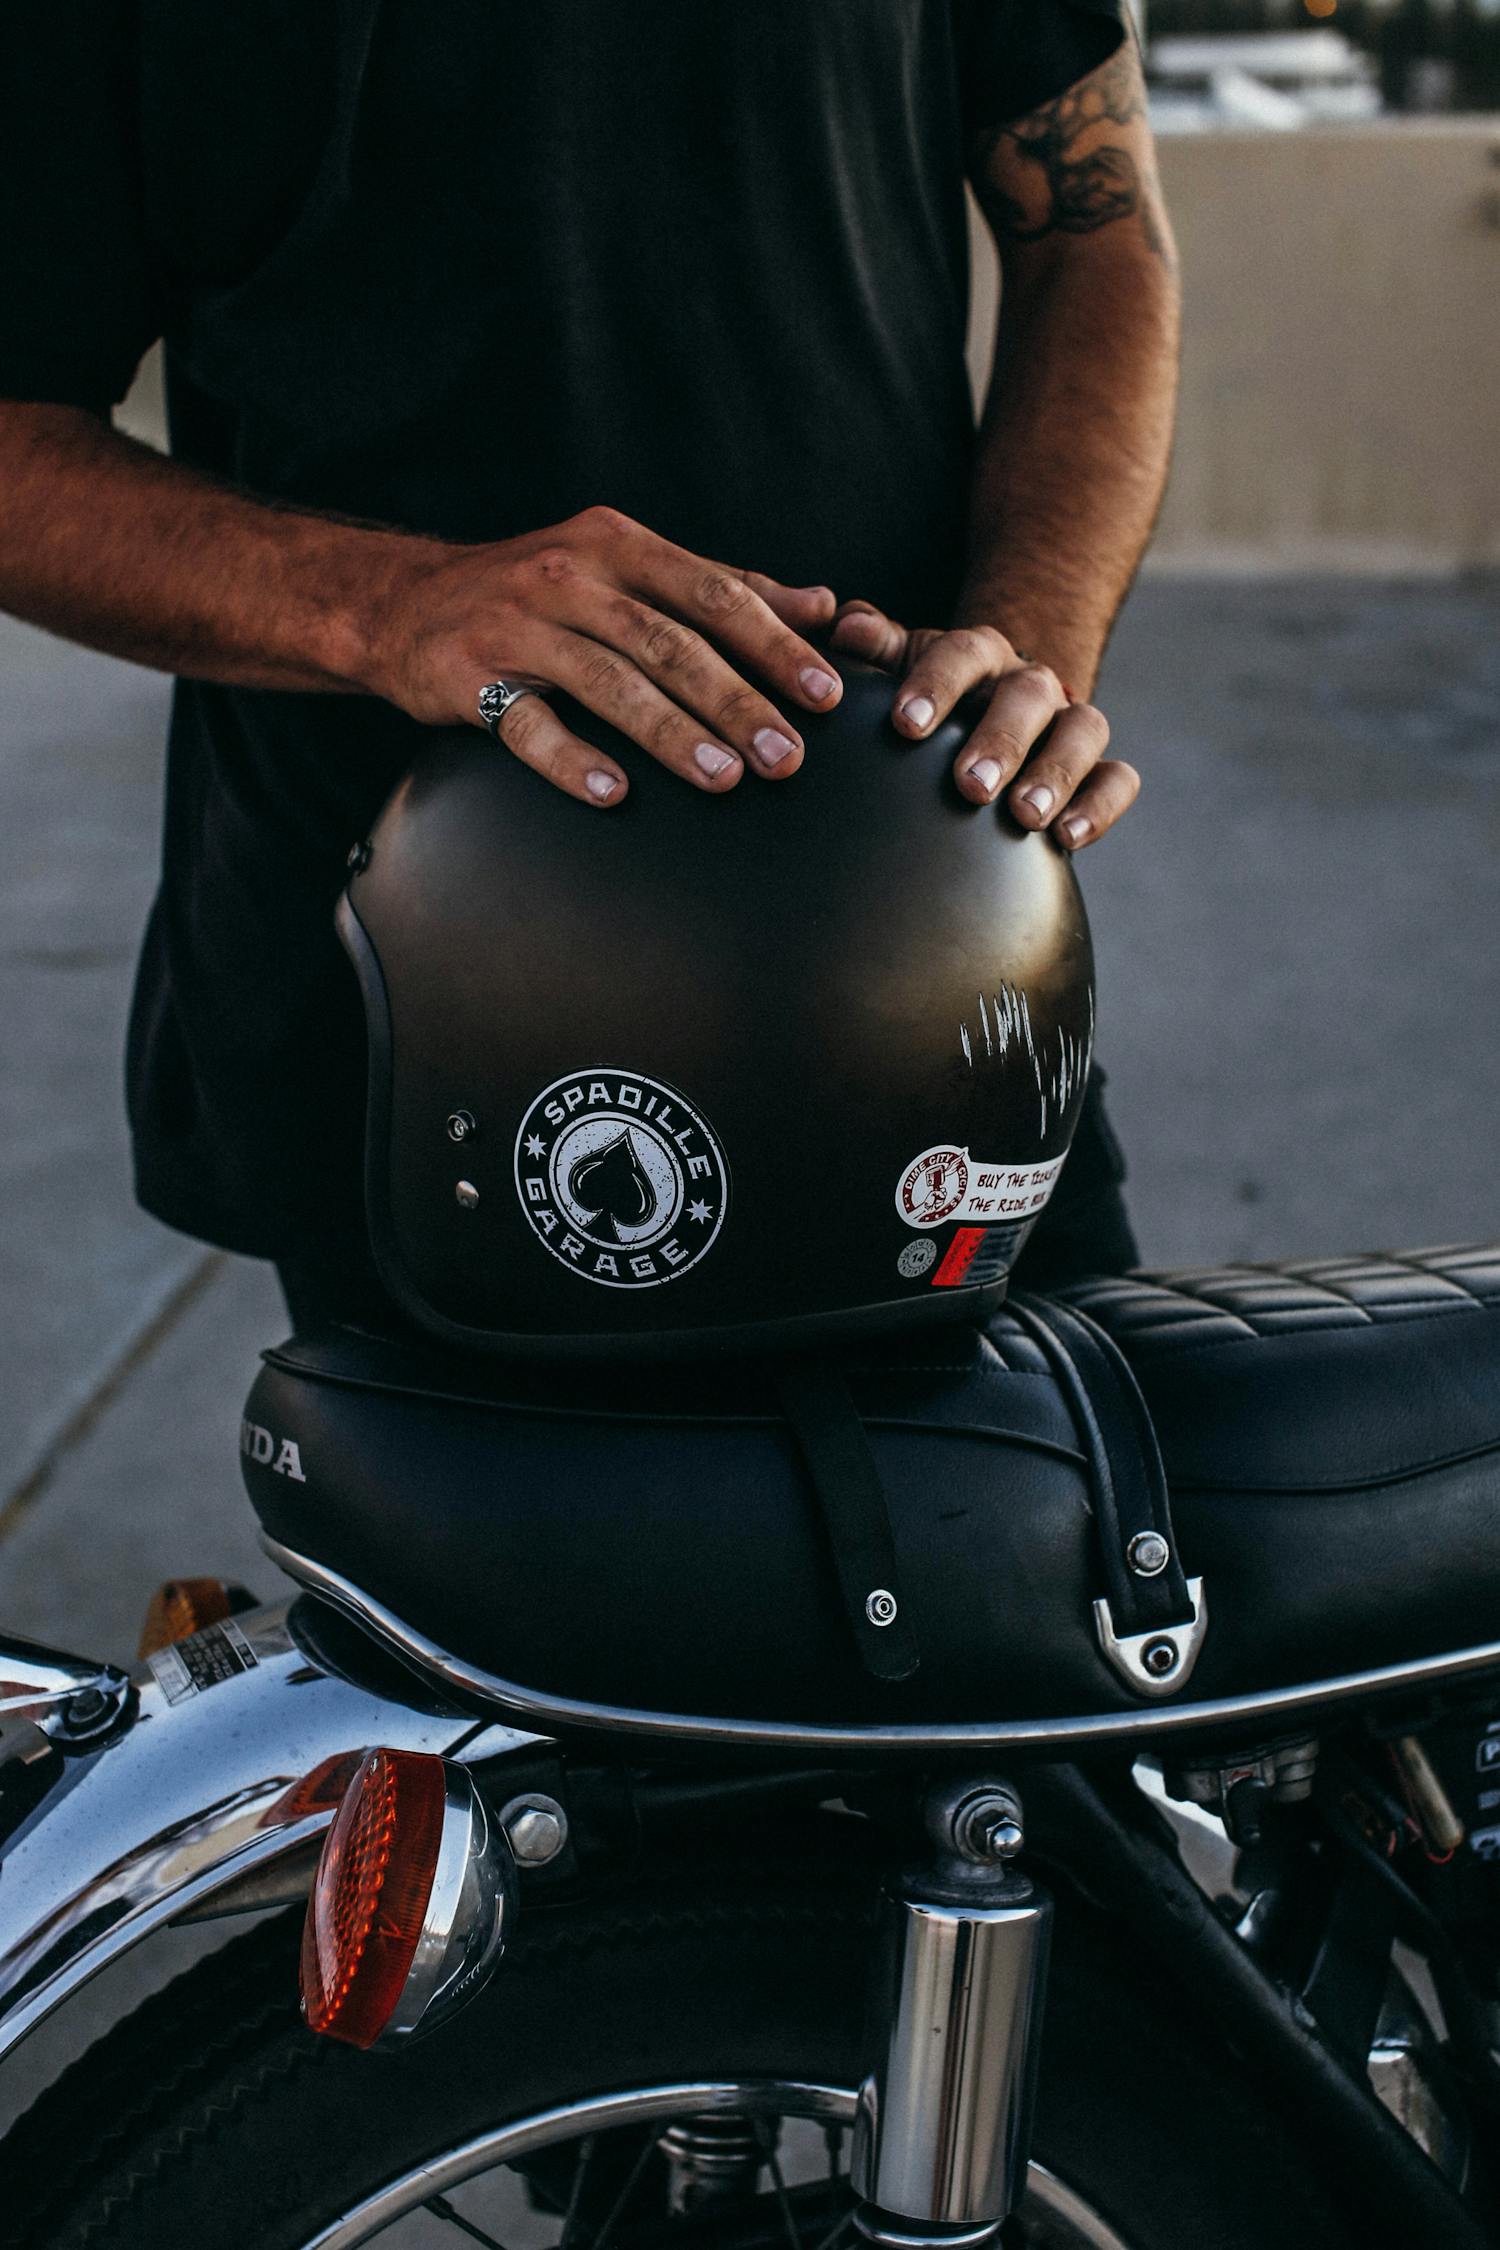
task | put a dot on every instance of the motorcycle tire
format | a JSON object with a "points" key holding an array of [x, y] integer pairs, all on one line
{"points": [[211, 2116]]}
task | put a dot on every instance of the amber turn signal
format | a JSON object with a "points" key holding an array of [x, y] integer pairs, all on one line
{"points": [[181, 1606]]}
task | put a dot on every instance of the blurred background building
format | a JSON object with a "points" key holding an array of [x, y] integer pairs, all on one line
{"points": [[1333, 170], [1395, 55]]}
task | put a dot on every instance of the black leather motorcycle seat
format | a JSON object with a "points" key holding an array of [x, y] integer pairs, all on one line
{"points": [[647, 1537]]}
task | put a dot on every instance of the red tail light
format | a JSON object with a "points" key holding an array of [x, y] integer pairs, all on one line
{"points": [[408, 1905]]}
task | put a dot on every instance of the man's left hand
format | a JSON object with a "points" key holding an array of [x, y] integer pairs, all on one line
{"points": [[1034, 741]]}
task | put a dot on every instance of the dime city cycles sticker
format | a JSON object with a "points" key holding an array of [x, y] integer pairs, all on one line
{"points": [[621, 1178], [946, 1183]]}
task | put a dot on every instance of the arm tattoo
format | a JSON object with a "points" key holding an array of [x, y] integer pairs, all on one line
{"points": [[1084, 192]]}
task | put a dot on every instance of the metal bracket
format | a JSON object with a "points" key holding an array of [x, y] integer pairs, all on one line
{"points": [[1157, 1663]]}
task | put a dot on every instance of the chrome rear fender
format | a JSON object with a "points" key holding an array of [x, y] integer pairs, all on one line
{"points": [[229, 1755]]}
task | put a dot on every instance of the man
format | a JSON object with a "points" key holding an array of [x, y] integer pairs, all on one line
{"points": [[607, 345]]}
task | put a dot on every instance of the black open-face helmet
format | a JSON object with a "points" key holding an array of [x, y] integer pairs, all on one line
{"points": [[704, 1073]]}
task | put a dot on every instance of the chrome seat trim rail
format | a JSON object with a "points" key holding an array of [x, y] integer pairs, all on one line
{"points": [[550, 1712]]}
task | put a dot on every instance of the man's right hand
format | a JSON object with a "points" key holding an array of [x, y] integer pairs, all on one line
{"points": [[108, 543], [648, 635]]}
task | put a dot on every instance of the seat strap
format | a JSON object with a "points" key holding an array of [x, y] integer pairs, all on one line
{"points": [[1143, 1575], [835, 1448]]}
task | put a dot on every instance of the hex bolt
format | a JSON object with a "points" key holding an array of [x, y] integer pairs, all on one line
{"points": [[536, 1828], [462, 1125], [467, 1195]]}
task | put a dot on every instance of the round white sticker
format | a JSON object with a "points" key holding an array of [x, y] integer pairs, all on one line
{"points": [[621, 1178], [916, 1259]]}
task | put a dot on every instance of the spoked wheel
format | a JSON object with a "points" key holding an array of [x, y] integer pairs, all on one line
{"points": [[736, 2166], [670, 2066]]}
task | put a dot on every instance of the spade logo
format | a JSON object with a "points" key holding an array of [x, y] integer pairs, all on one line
{"points": [[621, 1178], [612, 1185]]}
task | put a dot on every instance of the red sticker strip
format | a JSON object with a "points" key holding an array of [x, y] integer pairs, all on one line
{"points": [[958, 1257]]}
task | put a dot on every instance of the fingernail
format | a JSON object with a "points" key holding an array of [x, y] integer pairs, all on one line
{"points": [[713, 761], [601, 785], [920, 712], [987, 774], [772, 747], [818, 685], [1041, 799], [1075, 831]]}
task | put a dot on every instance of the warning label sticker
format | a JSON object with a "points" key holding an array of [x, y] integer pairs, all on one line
{"points": [[203, 1660]]}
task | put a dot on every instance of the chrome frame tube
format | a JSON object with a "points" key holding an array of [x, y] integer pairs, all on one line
{"points": [[556, 1713]]}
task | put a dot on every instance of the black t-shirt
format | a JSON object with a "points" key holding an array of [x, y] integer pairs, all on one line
{"points": [[468, 270]]}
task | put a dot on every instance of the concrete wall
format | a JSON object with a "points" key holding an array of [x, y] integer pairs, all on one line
{"points": [[1341, 376]]}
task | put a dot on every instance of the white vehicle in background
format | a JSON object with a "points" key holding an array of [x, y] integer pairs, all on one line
{"points": [[1275, 80]]}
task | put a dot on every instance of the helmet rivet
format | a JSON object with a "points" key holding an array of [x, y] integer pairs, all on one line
{"points": [[359, 858], [880, 1607], [467, 1195], [462, 1125], [1148, 1554], [1159, 1658]]}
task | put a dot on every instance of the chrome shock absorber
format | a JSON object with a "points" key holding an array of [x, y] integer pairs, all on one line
{"points": [[940, 2143]]}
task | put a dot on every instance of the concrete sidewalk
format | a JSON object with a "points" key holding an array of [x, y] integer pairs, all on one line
{"points": [[1299, 984]]}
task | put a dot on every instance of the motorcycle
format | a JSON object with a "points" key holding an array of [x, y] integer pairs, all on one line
{"points": [[1041, 1782]]}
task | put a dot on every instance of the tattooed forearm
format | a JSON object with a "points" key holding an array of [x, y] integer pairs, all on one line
{"points": [[1060, 170]]}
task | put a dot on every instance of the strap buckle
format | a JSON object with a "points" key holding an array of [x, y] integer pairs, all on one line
{"points": [[1159, 1662]]}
